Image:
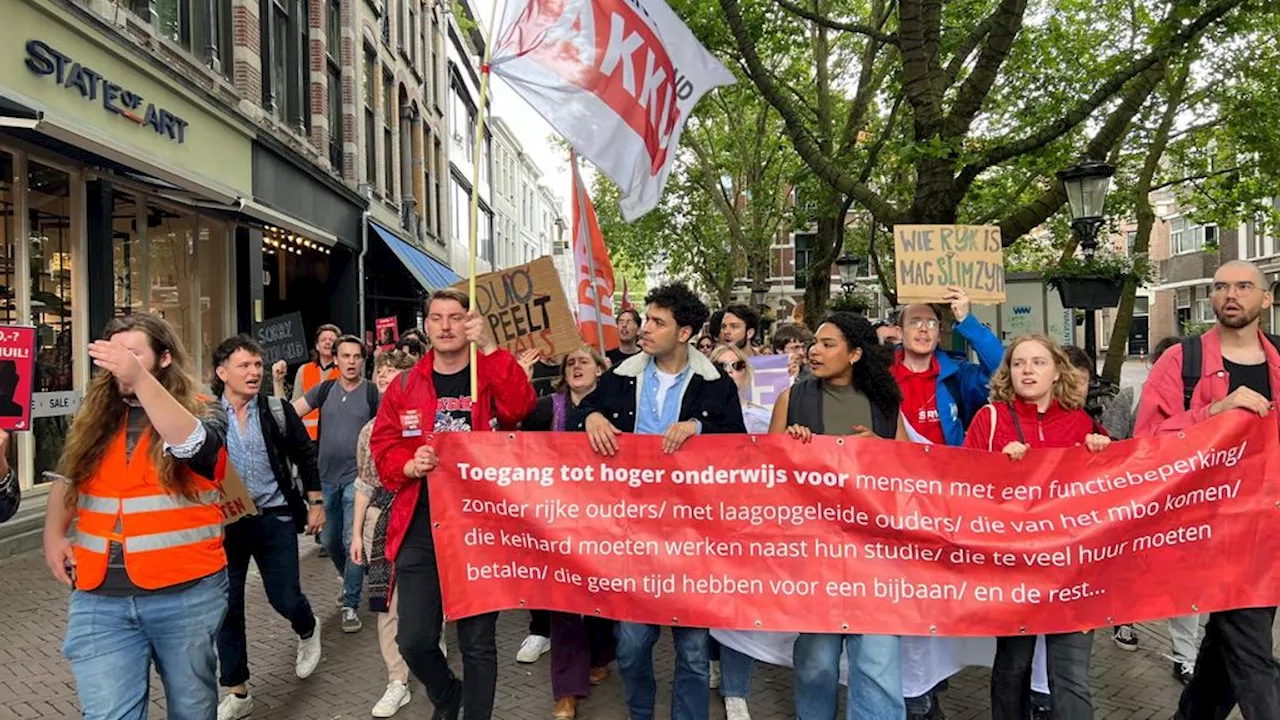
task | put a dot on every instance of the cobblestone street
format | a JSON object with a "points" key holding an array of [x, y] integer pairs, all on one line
{"points": [[35, 681]]}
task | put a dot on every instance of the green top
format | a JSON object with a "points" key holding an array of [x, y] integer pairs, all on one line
{"points": [[842, 408]]}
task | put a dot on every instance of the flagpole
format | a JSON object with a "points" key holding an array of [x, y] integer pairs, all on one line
{"points": [[475, 186], [591, 260]]}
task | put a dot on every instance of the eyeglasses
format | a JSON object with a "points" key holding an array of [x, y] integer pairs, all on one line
{"points": [[1245, 287], [923, 323], [735, 366]]}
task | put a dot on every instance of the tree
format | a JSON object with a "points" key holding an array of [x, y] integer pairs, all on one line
{"points": [[957, 111]]}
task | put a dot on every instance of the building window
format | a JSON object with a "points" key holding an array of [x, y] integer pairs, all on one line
{"points": [[286, 68], [804, 243], [1259, 243], [202, 27], [400, 24], [335, 117], [388, 148], [413, 34], [434, 83], [438, 190], [420, 52], [1187, 237], [370, 128], [333, 28]]}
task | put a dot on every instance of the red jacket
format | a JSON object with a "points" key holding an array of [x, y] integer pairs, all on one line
{"points": [[1163, 406], [1058, 428], [505, 397]]}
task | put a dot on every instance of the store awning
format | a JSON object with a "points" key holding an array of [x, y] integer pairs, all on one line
{"points": [[428, 271]]}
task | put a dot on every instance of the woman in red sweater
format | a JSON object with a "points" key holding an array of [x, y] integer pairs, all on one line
{"points": [[1036, 402]]}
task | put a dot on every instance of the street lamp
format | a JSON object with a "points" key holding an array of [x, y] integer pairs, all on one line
{"points": [[848, 268], [1087, 184]]}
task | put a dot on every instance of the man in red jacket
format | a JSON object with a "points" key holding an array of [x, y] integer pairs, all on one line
{"points": [[1239, 372], [435, 396]]}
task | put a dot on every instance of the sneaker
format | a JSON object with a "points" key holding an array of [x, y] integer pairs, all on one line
{"points": [[452, 709], [395, 697], [235, 708], [713, 675], [1125, 638], [350, 621], [533, 647], [308, 654], [935, 709], [1183, 671], [735, 708]]}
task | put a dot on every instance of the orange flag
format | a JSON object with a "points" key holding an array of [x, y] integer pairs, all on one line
{"points": [[593, 272]]}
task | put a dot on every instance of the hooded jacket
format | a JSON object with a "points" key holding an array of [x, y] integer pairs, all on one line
{"points": [[971, 379], [1056, 428]]}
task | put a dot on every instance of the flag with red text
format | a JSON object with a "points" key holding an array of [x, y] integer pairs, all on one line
{"points": [[593, 273], [617, 78]]}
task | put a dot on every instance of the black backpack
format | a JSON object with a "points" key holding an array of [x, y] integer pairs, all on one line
{"points": [[1193, 362], [371, 396]]}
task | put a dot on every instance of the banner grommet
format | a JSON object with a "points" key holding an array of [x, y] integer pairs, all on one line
{"points": [[1022, 629], [840, 441], [757, 623], [933, 629], [844, 626], [1195, 608]]}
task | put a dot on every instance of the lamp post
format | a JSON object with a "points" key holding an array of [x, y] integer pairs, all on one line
{"points": [[1087, 184], [848, 269]]}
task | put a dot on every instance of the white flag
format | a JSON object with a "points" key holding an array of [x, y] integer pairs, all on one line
{"points": [[617, 78]]}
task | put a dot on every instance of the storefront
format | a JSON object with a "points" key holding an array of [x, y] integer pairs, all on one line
{"points": [[399, 277], [121, 190]]}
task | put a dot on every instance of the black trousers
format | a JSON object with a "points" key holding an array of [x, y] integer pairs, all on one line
{"points": [[421, 613], [1235, 666], [272, 541], [540, 623], [1067, 656]]}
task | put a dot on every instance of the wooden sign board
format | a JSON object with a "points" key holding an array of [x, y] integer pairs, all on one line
{"points": [[527, 309], [928, 258]]}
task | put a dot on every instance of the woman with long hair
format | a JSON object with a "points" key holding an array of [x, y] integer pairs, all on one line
{"points": [[368, 545], [733, 361], [1037, 399], [850, 392], [581, 647]]}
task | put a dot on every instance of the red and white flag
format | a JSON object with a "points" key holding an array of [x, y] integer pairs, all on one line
{"points": [[593, 272], [617, 78]]}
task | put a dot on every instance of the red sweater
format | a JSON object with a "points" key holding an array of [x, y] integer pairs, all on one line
{"points": [[1057, 428], [505, 398]]}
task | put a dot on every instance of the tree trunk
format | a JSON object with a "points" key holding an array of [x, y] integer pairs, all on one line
{"points": [[828, 246]]}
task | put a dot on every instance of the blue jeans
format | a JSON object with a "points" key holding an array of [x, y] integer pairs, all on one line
{"points": [[690, 696], [111, 641], [735, 673], [875, 677], [340, 502]]}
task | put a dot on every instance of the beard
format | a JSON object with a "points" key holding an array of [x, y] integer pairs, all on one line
{"points": [[1244, 319]]}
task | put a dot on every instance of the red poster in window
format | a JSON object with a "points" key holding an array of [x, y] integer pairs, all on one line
{"points": [[17, 375], [388, 332]]}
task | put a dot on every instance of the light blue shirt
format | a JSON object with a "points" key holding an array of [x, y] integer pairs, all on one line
{"points": [[247, 450], [650, 420]]}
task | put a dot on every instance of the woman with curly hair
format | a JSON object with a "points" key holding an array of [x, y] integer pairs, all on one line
{"points": [[1037, 399], [850, 392]]}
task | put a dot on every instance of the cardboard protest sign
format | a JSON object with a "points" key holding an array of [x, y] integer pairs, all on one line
{"points": [[388, 332], [282, 338], [526, 308], [931, 257], [17, 371], [236, 501]]}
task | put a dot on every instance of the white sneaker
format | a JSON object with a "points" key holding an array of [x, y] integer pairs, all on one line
{"points": [[735, 708], [396, 697], [308, 654], [713, 675], [533, 647], [234, 708]]}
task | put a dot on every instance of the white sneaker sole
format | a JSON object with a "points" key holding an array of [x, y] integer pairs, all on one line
{"points": [[403, 701]]}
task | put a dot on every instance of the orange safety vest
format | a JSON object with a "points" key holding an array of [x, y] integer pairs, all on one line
{"points": [[311, 377], [167, 539]]}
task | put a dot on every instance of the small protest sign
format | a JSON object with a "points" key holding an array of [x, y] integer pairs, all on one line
{"points": [[236, 501], [769, 377], [526, 308], [388, 332], [282, 338], [17, 370], [928, 258]]}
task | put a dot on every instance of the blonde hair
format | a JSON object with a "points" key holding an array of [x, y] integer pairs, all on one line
{"points": [[739, 354], [1069, 389], [562, 385], [397, 359]]}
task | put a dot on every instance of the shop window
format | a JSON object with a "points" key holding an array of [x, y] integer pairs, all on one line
{"points": [[50, 247], [126, 255], [8, 246], [215, 292], [171, 239]]}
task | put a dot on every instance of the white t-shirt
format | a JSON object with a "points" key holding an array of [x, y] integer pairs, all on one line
{"points": [[665, 382]]}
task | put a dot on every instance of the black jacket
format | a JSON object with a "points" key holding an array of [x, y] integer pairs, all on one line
{"points": [[287, 449], [10, 496], [710, 398]]}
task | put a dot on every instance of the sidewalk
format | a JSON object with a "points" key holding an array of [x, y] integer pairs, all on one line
{"points": [[35, 681]]}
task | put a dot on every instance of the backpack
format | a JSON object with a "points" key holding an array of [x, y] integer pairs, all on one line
{"points": [[372, 397], [276, 406], [1193, 363]]}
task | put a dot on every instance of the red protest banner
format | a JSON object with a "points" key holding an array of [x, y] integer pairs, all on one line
{"points": [[763, 532], [17, 375]]}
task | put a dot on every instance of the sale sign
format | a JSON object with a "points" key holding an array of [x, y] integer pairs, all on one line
{"points": [[849, 535], [17, 375]]}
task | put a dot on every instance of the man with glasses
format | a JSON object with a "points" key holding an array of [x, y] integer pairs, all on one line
{"points": [[1233, 367], [940, 392]]}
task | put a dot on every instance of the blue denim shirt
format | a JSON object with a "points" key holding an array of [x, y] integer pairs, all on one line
{"points": [[648, 420], [247, 450]]}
